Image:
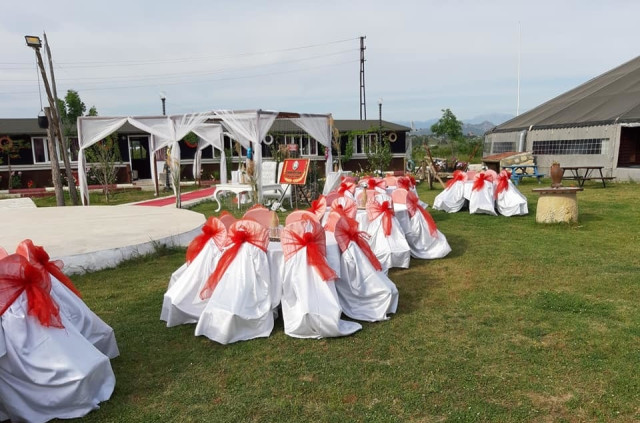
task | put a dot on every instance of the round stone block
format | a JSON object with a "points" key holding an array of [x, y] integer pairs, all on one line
{"points": [[557, 205]]}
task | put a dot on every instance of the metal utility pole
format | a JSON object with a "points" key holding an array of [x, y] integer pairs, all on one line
{"points": [[363, 98], [35, 43], [53, 157], [62, 141]]}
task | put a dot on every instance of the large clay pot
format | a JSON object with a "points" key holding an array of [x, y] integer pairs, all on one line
{"points": [[556, 175]]}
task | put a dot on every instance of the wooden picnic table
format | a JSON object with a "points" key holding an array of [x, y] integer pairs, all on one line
{"points": [[585, 173], [526, 170]]}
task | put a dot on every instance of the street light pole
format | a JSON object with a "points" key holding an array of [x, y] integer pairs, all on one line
{"points": [[167, 187], [35, 43], [380, 121]]}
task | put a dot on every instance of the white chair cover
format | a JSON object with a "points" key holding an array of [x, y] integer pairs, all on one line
{"points": [[423, 237], [482, 200], [48, 372], [92, 327], [182, 303], [365, 293], [452, 199], [391, 250], [510, 201], [310, 305], [241, 305]]}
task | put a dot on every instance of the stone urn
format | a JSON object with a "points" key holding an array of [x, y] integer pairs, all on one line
{"points": [[556, 175]]}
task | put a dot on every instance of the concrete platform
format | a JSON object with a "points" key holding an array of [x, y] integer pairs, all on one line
{"points": [[97, 237]]}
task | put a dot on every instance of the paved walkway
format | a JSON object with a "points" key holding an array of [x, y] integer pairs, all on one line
{"points": [[95, 237]]}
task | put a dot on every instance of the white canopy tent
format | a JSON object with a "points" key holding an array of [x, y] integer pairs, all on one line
{"points": [[248, 127], [164, 130]]}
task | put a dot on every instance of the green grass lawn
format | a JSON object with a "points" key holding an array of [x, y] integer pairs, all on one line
{"points": [[521, 322]]}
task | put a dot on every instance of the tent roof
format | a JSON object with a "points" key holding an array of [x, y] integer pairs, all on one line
{"points": [[611, 97], [30, 126]]}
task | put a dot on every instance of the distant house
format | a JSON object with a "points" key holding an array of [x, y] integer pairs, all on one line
{"points": [[35, 164], [594, 124]]}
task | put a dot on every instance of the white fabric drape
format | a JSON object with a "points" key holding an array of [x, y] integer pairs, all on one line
{"points": [[164, 131], [249, 126], [212, 135], [319, 127]]}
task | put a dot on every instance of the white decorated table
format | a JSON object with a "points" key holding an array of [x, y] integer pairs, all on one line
{"points": [[237, 189]]}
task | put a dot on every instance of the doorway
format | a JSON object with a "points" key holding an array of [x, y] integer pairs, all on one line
{"points": [[139, 157], [629, 151]]}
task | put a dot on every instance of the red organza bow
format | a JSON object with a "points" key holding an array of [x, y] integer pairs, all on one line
{"points": [[403, 182], [458, 176], [412, 180], [373, 183], [18, 275], [375, 209], [346, 187], [319, 207], [308, 234], [37, 255], [345, 206], [212, 229], [240, 232], [347, 231], [480, 180], [503, 182], [413, 206]]}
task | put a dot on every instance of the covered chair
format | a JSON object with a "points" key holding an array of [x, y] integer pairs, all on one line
{"points": [[387, 239], [482, 199], [422, 234], [262, 215], [452, 200], [364, 291], [297, 215], [68, 298], [319, 207], [227, 219], [240, 302], [509, 200], [182, 303], [48, 369], [346, 189], [310, 305]]}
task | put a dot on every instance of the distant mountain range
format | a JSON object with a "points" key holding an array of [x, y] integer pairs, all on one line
{"points": [[476, 126]]}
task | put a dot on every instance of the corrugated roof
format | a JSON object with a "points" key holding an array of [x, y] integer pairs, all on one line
{"points": [[611, 97]]}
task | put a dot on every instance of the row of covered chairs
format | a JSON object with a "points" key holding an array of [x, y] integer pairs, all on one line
{"points": [[484, 192], [54, 351], [226, 287]]}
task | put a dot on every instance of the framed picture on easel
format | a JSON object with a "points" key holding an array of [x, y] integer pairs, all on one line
{"points": [[294, 171]]}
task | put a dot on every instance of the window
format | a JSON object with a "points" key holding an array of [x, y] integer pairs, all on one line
{"points": [[364, 143], [503, 147], [40, 148], [559, 147]]}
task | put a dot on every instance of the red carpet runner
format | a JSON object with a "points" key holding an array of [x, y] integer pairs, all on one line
{"points": [[166, 201]]}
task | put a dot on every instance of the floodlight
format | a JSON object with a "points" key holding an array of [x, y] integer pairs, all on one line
{"points": [[33, 41]]}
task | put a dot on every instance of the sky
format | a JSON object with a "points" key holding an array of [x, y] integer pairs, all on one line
{"points": [[303, 56]]}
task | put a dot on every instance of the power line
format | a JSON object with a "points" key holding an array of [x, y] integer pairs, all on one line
{"points": [[193, 82], [110, 63]]}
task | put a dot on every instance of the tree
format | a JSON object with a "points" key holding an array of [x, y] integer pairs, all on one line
{"points": [[70, 109], [103, 157], [10, 149], [449, 127]]}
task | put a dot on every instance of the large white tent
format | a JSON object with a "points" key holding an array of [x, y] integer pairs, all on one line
{"points": [[248, 127]]}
